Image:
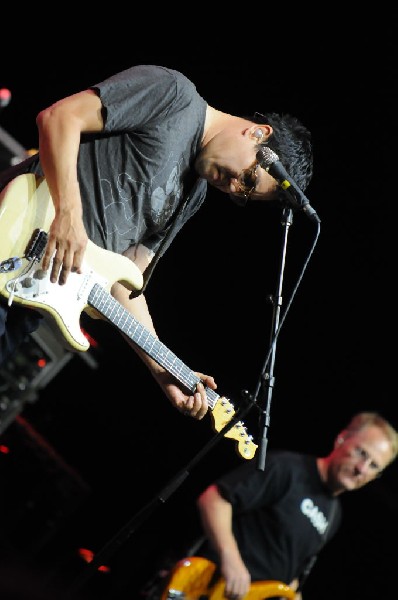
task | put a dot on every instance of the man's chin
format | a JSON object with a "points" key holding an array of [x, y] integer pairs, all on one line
{"points": [[349, 484]]}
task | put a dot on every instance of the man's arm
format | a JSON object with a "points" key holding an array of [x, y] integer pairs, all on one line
{"points": [[196, 404], [216, 515], [60, 127]]}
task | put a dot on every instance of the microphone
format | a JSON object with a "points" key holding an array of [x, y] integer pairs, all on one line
{"points": [[270, 162]]}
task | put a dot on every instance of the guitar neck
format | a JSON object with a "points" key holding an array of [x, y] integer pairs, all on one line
{"points": [[116, 314]]}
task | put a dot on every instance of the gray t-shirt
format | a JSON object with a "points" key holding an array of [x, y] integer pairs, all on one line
{"points": [[139, 170]]}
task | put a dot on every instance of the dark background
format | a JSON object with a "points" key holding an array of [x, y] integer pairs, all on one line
{"points": [[92, 456]]}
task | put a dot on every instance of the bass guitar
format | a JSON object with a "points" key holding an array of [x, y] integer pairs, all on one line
{"points": [[192, 579], [26, 214]]}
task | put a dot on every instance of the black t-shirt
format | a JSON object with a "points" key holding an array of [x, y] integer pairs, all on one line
{"points": [[281, 516]]}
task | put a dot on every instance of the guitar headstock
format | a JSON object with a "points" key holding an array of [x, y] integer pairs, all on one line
{"points": [[223, 412]]}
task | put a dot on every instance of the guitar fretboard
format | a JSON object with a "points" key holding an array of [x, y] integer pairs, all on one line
{"points": [[116, 314]]}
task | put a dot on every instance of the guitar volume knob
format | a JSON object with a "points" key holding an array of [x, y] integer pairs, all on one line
{"points": [[40, 274], [27, 282]]}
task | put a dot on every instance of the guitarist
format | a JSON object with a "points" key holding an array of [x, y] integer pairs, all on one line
{"points": [[271, 524], [127, 162]]}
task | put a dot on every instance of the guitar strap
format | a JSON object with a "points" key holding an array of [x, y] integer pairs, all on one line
{"points": [[196, 545], [150, 268]]}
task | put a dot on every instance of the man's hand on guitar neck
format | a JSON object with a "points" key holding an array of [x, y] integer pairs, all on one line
{"points": [[190, 404], [194, 405]]}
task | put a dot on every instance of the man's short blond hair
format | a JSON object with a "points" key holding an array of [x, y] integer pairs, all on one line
{"points": [[367, 419]]}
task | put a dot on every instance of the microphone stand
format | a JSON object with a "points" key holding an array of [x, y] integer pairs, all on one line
{"points": [[266, 381]]}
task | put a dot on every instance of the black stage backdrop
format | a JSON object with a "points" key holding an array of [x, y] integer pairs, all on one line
{"points": [[96, 446]]}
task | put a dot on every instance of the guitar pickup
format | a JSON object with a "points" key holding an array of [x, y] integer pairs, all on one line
{"points": [[37, 245]]}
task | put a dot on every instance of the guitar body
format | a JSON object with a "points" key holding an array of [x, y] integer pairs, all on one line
{"points": [[191, 579], [25, 208]]}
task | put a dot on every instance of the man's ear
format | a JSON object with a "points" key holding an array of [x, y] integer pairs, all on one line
{"points": [[340, 438], [260, 133]]}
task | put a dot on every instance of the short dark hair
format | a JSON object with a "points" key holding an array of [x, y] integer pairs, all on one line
{"points": [[291, 141]]}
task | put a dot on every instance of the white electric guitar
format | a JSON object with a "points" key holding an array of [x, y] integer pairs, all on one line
{"points": [[26, 213]]}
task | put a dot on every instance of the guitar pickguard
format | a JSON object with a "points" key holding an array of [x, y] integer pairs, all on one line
{"points": [[65, 303]]}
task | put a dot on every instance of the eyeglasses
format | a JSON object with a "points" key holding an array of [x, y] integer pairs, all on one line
{"points": [[247, 182]]}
